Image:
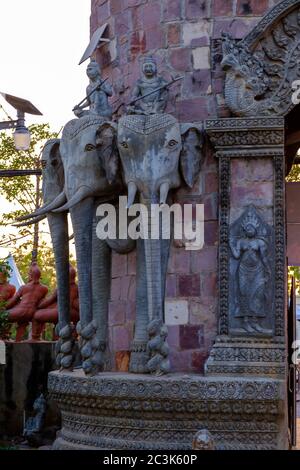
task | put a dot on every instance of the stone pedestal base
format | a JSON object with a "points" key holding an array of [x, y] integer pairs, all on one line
{"points": [[251, 356], [128, 411]]}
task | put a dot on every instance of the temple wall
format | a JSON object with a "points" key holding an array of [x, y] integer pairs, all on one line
{"points": [[184, 36]]}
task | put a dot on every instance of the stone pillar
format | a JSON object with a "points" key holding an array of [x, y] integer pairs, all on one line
{"points": [[252, 280]]}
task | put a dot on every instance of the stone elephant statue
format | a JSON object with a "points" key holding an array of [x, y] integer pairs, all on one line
{"points": [[79, 172], [153, 150]]}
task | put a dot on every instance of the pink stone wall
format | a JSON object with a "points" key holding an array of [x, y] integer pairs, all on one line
{"points": [[252, 183], [184, 36]]}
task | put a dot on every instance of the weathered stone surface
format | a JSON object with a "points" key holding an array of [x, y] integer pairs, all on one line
{"points": [[251, 7], [189, 285], [196, 31], [180, 59], [191, 336], [222, 7], [201, 58], [173, 34], [176, 312]]}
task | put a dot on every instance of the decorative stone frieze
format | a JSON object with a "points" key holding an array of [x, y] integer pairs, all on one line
{"points": [[127, 411]]}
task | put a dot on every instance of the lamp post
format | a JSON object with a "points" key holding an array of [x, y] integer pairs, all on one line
{"points": [[21, 134]]}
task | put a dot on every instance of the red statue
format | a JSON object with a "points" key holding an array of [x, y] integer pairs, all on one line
{"points": [[23, 305], [47, 310], [7, 291]]}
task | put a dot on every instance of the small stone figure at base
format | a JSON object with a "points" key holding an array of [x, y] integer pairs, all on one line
{"points": [[156, 102], [23, 305], [34, 425], [203, 440], [158, 349], [97, 94]]}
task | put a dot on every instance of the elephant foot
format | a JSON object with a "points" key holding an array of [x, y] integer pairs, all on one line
{"points": [[158, 363], [138, 361], [93, 350], [64, 347]]}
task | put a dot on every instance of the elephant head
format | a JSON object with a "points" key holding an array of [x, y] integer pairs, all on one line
{"points": [[91, 170], [53, 171], [154, 150], [53, 182]]}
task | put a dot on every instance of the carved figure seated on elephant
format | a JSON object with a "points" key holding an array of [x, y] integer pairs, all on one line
{"points": [[23, 305], [150, 94], [47, 311], [97, 94]]}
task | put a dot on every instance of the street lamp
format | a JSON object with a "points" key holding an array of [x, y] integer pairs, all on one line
{"points": [[21, 134]]}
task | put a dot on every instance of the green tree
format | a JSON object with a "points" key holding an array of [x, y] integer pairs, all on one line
{"points": [[23, 196]]}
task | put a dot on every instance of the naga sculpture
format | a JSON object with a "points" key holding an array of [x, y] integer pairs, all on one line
{"points": [[251, 274], [47, 311], [24, 303], [261, 70]]}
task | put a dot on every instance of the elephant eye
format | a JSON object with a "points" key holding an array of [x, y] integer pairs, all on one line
{"points": [[172, 143], [89, 148], [54, 162], [124, 144]]}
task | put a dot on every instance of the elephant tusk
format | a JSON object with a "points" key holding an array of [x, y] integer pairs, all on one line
{"points": [[132, 190], [35, 220], [81, 194], [58, 201], [164, 191]]}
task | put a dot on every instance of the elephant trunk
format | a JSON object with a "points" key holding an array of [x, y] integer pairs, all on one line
{"points": [[101, 281], [156, 254], [153, 266], [82, 218], [58, 225]]}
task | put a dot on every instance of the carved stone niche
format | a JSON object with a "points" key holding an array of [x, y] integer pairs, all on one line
{"points": [[251, 253]]}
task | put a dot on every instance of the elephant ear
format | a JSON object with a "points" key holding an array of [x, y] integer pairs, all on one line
{"points": [[51, 159], [191, 154], [106, 143]]}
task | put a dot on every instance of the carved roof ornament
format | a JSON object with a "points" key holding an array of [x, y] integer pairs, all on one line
{"points": [[260, 69]]}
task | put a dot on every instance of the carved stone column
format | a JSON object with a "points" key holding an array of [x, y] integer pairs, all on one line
{"points": [[252, 305]]}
